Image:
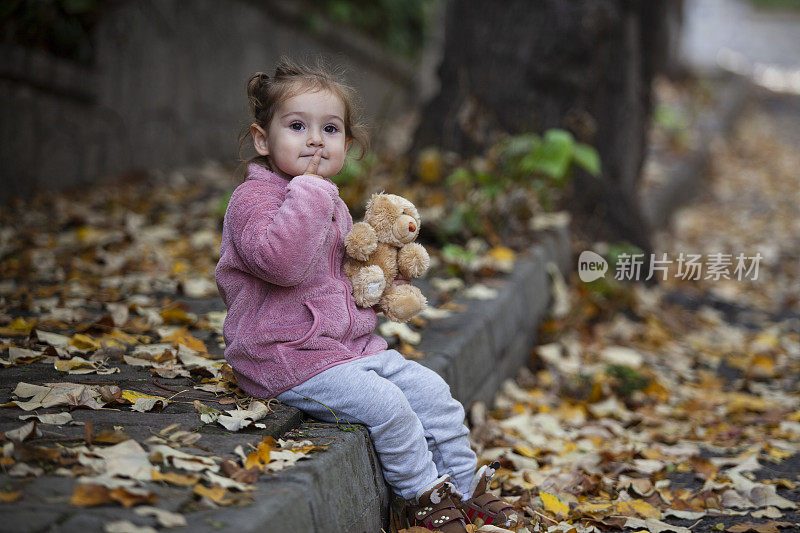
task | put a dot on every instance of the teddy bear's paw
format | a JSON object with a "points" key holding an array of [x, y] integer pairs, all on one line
{"points": [[402, 302], [413, 260], [361, 242], [368, 285]]}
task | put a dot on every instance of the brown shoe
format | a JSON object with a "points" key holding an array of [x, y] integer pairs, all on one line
{"points": [[438, 510], [485, 506]]}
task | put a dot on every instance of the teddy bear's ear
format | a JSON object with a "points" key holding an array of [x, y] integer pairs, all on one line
{"points": [[380, 202], [374, 197]]}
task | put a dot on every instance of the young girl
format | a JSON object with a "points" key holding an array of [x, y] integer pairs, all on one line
{"points": [[293, 331]]}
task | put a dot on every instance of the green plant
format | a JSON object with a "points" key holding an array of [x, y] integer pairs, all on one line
{"points": [[483, 190], [626, 380], [529, 157], [674, 123], [457, 258]]}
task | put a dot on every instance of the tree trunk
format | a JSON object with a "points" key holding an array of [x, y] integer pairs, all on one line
{"points": [[582, 65]]}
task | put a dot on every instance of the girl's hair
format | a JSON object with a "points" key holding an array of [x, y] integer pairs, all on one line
{"points": [[266, 93]]}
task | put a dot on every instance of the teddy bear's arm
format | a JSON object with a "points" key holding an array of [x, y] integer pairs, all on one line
{"points": [[413, 260], [361, 242]]}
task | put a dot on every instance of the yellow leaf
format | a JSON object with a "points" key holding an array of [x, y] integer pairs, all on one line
{"points": [[90, 495], [740, 402], [221, 496], [176, 316], [175, 478], [525, 451], [502, 253], [307, 449], [121, 336], [182, 336], [72, 364], [180, 266], [260, 457], [569, 447], [553, 504], [9, 496], [657, 391], [84, 342], [18, 326], [762, 366], [132, 396], [429, 165], [215, 494], [595, 508], [129, 498], [637, 507], [779, 454]]}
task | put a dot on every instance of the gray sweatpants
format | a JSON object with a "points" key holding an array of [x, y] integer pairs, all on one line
{"points": [[416, 425]]}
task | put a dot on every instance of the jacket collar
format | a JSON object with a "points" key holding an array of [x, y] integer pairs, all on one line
{"points": [[258, 172]]}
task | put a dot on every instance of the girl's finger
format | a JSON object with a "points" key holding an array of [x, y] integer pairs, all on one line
{"points": [[313, 165]]}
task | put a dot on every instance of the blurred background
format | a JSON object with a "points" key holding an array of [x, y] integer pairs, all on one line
{"points": [[97, 90]]}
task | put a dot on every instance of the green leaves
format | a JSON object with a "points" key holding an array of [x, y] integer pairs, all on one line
{"points": [[552, 156]]}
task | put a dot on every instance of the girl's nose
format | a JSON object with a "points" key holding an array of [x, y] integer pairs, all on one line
{"points": [[314, 139]]}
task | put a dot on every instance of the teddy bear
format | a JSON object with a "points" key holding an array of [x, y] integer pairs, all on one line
{"points": [[381, 247]]}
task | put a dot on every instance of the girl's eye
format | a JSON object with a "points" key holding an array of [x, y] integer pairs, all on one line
{"points": [[330, 128], [296, 126]]}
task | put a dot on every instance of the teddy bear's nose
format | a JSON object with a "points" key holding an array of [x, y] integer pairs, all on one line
{"points": [[411, 227]]}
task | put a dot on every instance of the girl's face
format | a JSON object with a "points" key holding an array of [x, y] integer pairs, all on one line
{"points": [[301, 125]]}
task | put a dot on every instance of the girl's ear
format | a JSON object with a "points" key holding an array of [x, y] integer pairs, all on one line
{"points": [[260, 142], [347, 144]]}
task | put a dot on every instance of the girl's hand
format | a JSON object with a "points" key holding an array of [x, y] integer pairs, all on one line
{"points": [[313, 165]]}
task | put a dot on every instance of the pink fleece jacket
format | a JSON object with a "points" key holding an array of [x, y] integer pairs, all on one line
{"points": [[291, 314]]}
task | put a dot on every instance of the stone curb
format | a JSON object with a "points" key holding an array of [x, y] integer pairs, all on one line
{"points": [[688, 174], [496, 334]]}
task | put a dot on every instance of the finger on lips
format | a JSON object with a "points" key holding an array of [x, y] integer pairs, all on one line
{"points": [[313, 165]]}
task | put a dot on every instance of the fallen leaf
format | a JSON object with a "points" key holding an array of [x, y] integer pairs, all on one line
{"points": [[111, 436], [126, 526], [22, 433], [9, 496], [76, 365], [175, 479], [25, 470], [55, 419], [240, 418], [221, 496], [144, 405], [769, 512], [165, 518], [90, 495], [401, 331], [84, 343], [18, 327], [766, 527], [554, 504], [128, 497], [654, 526]]}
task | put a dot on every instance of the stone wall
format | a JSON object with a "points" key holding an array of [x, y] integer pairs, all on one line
{"points": [[166, 89]]}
